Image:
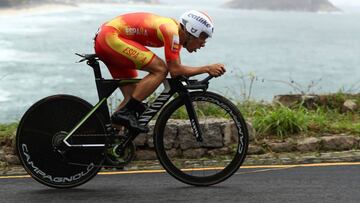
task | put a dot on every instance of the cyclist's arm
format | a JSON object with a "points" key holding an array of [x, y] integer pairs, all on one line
{"points": [[177, 69]]}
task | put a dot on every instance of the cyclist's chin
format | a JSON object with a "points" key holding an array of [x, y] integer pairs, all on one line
{"points": [[191, 50]]}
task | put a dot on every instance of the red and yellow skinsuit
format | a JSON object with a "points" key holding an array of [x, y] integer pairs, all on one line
{"points": [[120, 43]]}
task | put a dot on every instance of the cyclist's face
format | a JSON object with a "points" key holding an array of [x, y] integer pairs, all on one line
{"points": [[195, 43]]}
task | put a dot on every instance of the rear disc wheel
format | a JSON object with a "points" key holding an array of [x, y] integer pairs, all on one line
{"points": [[40, 145]]}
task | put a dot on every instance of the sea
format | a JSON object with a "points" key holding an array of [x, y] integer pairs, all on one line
{"points": [[265, 53]]}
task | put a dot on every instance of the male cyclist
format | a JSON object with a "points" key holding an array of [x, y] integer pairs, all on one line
{"points": [[121, 44]]}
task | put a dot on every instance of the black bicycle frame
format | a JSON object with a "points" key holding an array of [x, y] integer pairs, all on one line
{"points": [[106, 87]]}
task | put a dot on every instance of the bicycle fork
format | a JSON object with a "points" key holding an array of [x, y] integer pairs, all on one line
{"points": [[194, 121]]}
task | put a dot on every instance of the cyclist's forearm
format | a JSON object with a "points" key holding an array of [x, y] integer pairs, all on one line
{"points": [[188, 71]]}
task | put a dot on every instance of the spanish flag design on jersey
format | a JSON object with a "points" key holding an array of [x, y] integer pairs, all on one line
{"points": [[121, 42]]}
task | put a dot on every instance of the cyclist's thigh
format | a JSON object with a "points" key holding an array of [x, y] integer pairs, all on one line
{"points": [[122, 56]]}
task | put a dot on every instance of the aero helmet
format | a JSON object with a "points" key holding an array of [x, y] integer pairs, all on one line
{"points": [[196, 22]]}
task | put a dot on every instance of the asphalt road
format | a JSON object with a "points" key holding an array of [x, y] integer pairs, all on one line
{"points": [[297, 183]]}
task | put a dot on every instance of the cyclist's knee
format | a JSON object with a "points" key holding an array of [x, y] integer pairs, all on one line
{"points": [[157, 66]]}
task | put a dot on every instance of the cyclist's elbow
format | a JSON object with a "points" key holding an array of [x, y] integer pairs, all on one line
{"points": [[175, 73], [175, 70]]}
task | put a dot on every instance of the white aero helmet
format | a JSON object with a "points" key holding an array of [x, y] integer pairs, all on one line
{"points": [[196, 22]]}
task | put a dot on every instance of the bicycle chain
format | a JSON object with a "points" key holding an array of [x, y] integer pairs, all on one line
{"points": [[95, 135], [80, 164]]}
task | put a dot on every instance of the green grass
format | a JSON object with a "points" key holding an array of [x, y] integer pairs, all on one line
{"points": [[281, 121], [271, 120], [329, 121]]}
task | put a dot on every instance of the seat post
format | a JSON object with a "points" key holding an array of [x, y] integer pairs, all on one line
{"points": [[96, 67]]}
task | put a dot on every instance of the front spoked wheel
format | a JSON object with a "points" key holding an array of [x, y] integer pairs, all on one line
{"points": [[224, 145], [40, 146]]}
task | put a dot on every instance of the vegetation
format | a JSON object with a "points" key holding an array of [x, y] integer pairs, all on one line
{"points": [[7, 133], [281, 120], [326, 118], [271, 120]]}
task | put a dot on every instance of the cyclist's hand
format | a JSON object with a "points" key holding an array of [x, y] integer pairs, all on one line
{"points": [[217, 69]]}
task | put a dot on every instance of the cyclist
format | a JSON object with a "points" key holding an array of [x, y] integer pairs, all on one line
{"points": [[121, 44]]}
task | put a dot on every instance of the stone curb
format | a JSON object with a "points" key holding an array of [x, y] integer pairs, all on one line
{"points": [[341, 142]]}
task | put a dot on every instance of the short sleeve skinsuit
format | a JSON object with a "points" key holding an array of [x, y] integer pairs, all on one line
{"points": [[120, 43]]}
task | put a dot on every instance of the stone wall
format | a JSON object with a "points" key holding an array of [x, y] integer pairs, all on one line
{"points": [[218, 135], [221, 134]]}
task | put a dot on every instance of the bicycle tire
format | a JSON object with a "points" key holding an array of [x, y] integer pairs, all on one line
{"points": [[187, 170], [41, 127]]}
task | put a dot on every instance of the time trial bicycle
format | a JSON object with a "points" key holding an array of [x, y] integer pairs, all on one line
{"points": [[63, 141]]}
